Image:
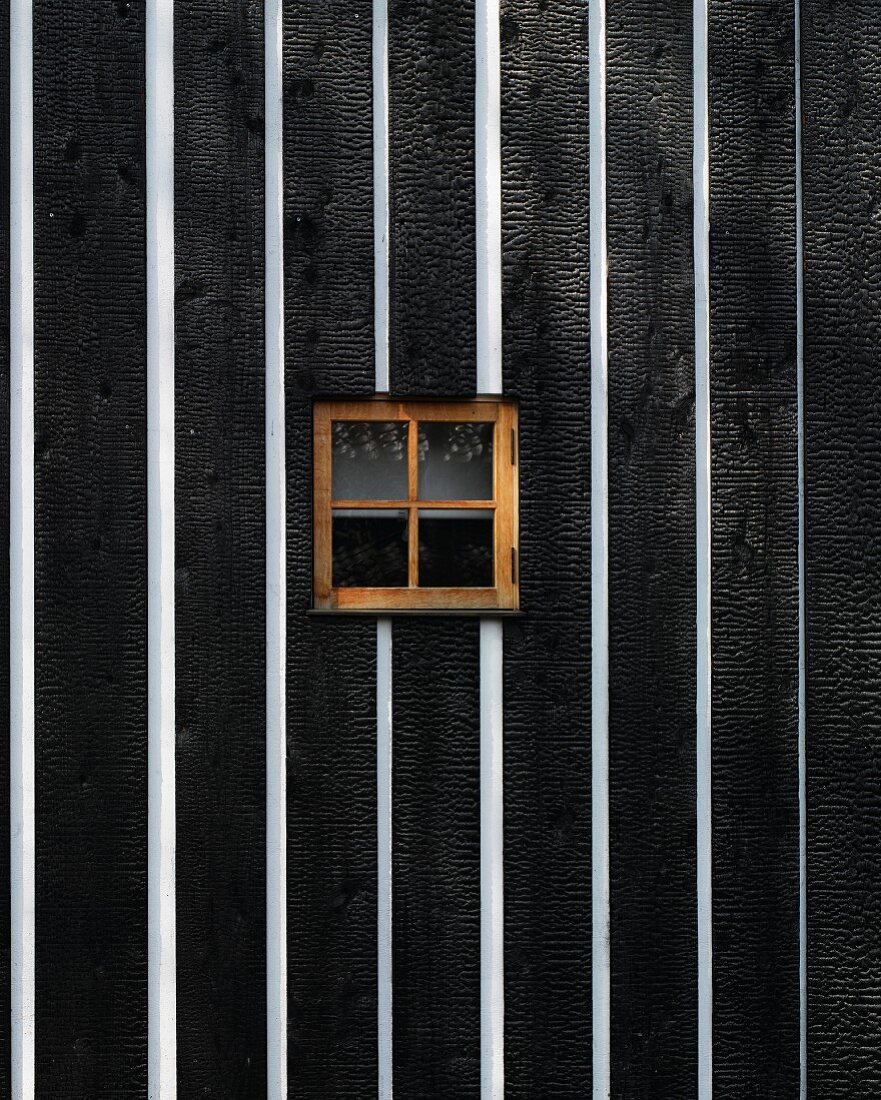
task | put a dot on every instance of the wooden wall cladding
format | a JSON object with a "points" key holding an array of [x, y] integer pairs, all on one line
{"points": [[841, 66], [331, 666], [90, 369], [545, 223], [220, 550], [755, 549], [652, 567]]}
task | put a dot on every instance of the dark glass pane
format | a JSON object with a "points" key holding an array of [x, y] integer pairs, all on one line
{"points": [[456, 549], [369, 460], [369, 549], [455, 461]]}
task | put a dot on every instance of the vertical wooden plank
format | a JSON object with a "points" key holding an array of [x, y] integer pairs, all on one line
{"points": [[219, 553], [431, 170], [436, 858], [545, 223], [5, 929], [754, 548], [651, 550], [91, 576], [331, 670], [436, 723], [841, 70]]}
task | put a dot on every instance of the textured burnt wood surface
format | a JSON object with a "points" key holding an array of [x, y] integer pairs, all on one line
{"points": [[331, 665], [91, 563], [651, 550], [5, 989], [545, 217], [436, 864], [755, 550], [841, 59], [219, 553], [431, 177]]}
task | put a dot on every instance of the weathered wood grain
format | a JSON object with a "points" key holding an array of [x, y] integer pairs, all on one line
{"points": [[841, 66], [545, 220], [219, 550], [436, 857], [91, 562], [652, 716], [431, 170], [755, 549], [331, 663]]}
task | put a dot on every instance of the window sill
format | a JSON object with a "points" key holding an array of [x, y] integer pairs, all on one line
{"points": [[414, 612]]}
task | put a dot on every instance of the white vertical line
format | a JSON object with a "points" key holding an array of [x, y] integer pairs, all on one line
{"points": [[381, 219], [703, 548], [276, 579], [161, 991], [381, 194], [492, 905], [384, 853], [599, 540], [488, 183], [21, 548], [488, 224], [802, 671]]}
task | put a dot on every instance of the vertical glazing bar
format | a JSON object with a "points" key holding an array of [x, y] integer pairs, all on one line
{"points": [[21, 549], [162, 1043], [384, 853]]}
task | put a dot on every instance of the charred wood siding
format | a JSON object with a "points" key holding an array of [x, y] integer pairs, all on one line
{"points": [[783, 565]]}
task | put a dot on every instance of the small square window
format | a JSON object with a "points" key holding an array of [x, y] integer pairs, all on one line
{"points": [[415, 505]]}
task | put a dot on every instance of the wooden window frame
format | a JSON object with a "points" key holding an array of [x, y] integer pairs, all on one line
{"points": [[505, 595]]}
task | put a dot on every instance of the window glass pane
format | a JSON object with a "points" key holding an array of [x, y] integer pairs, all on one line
{"points": [[455, 461], [455, 548], [369, 548], [369, 460]]}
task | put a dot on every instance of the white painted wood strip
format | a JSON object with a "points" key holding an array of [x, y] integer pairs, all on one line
{"points": [[802, 641], [488, 225], [161, 1000], [381, 195], [704, 572], [384, 744], [384, 856], [599, 541], [21, 549], [492, 906], [276, 572], [488, 197]]}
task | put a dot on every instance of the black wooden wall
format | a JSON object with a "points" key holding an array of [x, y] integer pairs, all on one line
{"points": [[795, 409]]}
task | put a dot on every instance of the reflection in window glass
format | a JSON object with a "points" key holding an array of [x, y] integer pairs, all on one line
{"points": [[455, 548], [369, 548], [369, 460], [455, 461]]}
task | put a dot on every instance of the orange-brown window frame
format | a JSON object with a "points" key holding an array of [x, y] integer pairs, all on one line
{"points": [[505, 595]]}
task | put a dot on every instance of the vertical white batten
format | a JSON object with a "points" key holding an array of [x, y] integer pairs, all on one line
{"points": [[492, 907], [161, 999], [383, 625], [599, 545], [21, 546], [802, 670], [384, 854], [599, 826], [488, 225], [380, 195], [276, 578], [488, 187], [703, 550]]}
